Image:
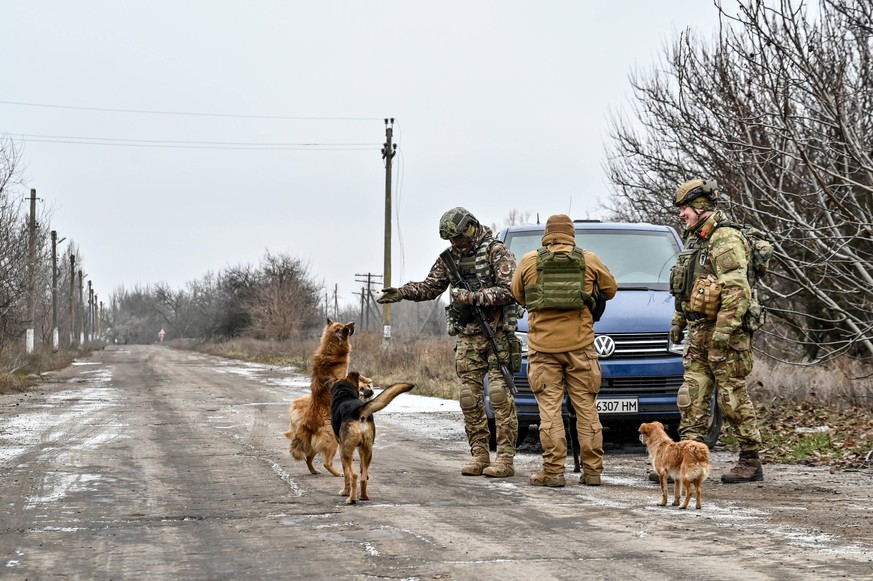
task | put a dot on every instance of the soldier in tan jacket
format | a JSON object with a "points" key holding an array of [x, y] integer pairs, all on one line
{"points": [[559, 284]]}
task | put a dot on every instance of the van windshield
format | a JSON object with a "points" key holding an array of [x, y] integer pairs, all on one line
{"points": [[636, 258]]}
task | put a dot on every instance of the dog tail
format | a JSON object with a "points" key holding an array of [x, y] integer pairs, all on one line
{"points": [[383, 399]]}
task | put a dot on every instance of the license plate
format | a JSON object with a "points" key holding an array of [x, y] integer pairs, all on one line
{"points": [[618, 405]]}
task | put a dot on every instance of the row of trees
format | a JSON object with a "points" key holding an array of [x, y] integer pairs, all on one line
{"points": [[277, 300], [29, 273], [779, 109]]}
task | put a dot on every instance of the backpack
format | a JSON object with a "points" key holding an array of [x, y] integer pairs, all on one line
{"points": [[761, 251]]}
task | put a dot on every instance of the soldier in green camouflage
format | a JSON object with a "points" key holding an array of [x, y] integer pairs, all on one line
{"points": [[711, 286], [487, 267]]}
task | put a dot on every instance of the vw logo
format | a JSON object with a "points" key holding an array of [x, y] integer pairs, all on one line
{"points": [[604, 345]]}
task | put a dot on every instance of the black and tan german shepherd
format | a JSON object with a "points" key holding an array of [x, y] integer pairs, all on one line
{"points": [[352, 422]]}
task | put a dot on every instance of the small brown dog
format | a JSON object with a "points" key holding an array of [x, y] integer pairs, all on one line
{"points": [[686, 462], [309, 429], [353, 425]]}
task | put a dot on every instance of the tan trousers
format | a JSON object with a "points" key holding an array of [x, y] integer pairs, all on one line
{"points": [[580, 371]]}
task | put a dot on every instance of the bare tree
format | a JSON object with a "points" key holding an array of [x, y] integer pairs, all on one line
{"points": [[13, 243], [285, 300], [779, 109]]}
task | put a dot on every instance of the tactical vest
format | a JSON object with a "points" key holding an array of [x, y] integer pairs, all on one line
{"points": [[694, 285], [692, 264], [560, 282], [476, 271]]}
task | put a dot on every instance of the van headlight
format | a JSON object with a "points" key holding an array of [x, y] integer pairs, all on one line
{"points": [[523, 338]]}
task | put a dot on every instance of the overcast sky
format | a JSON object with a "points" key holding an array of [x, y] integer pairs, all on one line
{"points": [[170, 139]]}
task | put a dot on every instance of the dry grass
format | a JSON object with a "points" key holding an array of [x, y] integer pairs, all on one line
{"points": [[813, 415], [19, 371], [841, 384], [428, 362]]}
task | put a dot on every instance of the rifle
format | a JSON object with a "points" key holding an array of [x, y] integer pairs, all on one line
{"points": [[456, 280], [572, 434]]}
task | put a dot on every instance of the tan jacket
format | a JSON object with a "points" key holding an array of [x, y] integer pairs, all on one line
{"points": [[554, 331]]}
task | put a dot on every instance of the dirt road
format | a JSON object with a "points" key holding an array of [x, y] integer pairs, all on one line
{"points": [[144, 462]]}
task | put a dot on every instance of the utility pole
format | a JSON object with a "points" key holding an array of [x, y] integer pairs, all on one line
{"points": [[31, 275], [72, 297], [388, 152], [54, 290], [80, 306], [89, 320], [367, 296]]}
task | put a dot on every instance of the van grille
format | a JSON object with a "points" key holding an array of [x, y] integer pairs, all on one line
{"points": [[621, 385], [638, 385], [634, 345]]}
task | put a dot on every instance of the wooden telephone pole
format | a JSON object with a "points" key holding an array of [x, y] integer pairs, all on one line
{"points": [[388, 152], [29, 334]]}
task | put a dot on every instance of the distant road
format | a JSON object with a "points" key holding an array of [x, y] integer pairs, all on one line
{"points": [[142, 462]]}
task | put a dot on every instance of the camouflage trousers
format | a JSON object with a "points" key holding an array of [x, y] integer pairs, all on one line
{"points": [[706, 369], [547, 373], [473, 358]]}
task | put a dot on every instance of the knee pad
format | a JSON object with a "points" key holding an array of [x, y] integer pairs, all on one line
{"points": [[467, 400], [497, 395]]}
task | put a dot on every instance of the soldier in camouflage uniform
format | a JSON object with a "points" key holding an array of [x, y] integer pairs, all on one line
{"points": [[711, 285], [487, 266]]}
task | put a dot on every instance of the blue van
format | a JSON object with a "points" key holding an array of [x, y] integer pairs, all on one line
{"points": [[642, 368]]}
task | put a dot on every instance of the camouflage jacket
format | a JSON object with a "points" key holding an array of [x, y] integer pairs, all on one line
{"points": [[502, 264], [725, 254]]}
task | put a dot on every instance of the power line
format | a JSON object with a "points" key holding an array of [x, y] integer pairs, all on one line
{"points": [[188, 113], [184, 144]]}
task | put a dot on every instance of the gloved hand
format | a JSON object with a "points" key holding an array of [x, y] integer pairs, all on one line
{"points": [[720, 341], [677, 334], [390, 295], [462, 296]]}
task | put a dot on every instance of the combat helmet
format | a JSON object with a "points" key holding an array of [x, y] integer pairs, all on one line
{"points": [[457, 222], [694, 189]]}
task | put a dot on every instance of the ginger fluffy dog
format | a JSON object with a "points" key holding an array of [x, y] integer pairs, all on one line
{"points": [[309, 430], [686, 462], [353, 425]]}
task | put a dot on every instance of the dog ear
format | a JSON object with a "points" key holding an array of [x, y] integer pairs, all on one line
{"points": [[353, 377], [351, 327]]}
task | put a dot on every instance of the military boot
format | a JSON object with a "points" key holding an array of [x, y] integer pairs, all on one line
{"points": [[481, 460], [748, 469], [546, 479], [502, 468]]}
